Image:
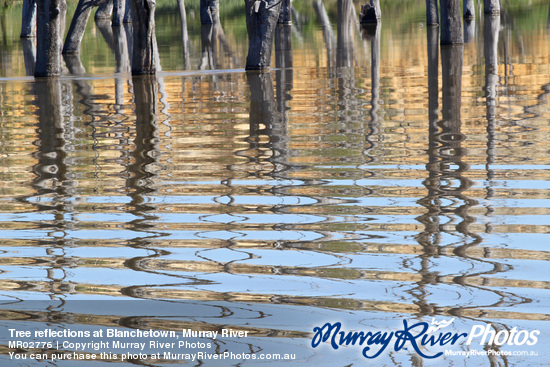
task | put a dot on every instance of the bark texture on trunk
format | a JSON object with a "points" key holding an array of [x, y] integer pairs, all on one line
{"points": [[432, 13], [451, 22], [261, 20], [48, 28], [144, 51]]}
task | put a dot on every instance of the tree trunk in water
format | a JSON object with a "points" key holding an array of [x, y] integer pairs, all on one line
{"points": [[370, 12], [432, 13], [210, 11], [451, 22], [28, 24], [184, 34], [469, 10], [286, 12], [344, 40], [261, 20], [78, 26], [104, 10], [491, 6], [119, 8], [48, 29], [433, 77], [490, 51], [29, 54], [144, 51]]}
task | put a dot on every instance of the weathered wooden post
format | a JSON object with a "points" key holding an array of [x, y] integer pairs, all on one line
{"points": [[208, 42], [491, 6], [370, 12], [28, 24], [469, 9], [432, 13], [48, 30], [210, 11], [78, 26], [451, 22], [144, 50], [261, 19]]}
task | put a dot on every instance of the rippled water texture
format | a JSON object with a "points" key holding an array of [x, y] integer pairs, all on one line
{"points": [[372, 176]]}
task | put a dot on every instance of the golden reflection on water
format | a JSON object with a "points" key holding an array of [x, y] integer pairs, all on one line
{"points": [[375, 177]]}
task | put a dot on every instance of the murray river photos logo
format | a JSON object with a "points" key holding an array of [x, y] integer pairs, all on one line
{"points": [[419, 336]]}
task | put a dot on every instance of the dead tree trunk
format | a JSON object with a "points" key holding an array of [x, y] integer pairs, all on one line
{"points": [[184, 34], [469, 10], [432, 13], [261, 20], [210, 10], [104, 10], [370, 12], [28, 24], [144, 51], [78, 26], [48, 29], [286, 12], [451, 22], [490, 51], [119, 7], [491, 6]]}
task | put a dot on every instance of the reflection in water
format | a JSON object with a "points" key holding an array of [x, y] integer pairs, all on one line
{"points": [[331, 188]]}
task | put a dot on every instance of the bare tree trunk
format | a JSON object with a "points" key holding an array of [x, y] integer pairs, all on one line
{"points": [[451, 22], [144, 51], [344, 42], [491, 6], [48, 29], [432, 13], [490, 50], [328, 32], [370, 12], [78, 26], [469, 30], [119, 8], [469, 10], [210, 11], [104, 10], [261, 19], [433, 76], [184, 34], [29, 54], [28, 24], [286, 12]]}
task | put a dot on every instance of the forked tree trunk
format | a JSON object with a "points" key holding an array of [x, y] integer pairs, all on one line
{"points": [[261, 20], [78, 26], [451, 22], [28, 24], [144, 51], [48, 29]]}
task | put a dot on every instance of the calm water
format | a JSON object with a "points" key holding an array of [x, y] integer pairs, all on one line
{"points": [[370, 177]]}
